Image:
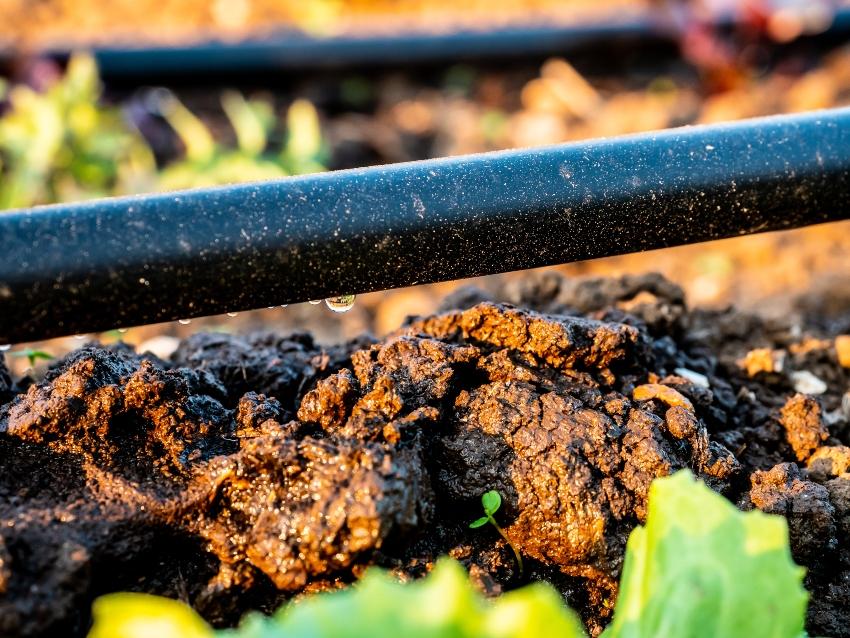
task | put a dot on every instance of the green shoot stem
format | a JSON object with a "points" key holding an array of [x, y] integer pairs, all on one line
{"points": [[507, 540]]}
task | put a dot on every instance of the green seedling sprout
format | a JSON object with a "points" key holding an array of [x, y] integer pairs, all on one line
{"points": [[32, 355], [492, 501]]}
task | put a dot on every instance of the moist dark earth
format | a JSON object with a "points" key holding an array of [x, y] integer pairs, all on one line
{"points": [[250, 469]]}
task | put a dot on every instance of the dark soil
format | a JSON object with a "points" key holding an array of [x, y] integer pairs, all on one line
{"points": [[249, 469]]}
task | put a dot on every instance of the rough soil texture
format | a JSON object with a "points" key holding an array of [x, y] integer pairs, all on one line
{"points": [[250, 469]]}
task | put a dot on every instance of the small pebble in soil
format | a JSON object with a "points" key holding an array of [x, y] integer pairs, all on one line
{"points": [[807, 383], [694, 377]]}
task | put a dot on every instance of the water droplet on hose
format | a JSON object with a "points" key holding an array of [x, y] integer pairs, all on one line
{"points": [[315, 302], [184, 322], [5, 347], [342, 303], [232, 314]]}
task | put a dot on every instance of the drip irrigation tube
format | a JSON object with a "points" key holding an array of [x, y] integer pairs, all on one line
{"points": [[298, 52], [111, 263]]}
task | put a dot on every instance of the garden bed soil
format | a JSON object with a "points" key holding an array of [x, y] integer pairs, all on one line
{"points": [[250, 469], [83, 23]]}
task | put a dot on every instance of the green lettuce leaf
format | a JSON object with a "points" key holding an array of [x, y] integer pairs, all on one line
{"points": [[700, 568], [129, 615], [441, 605]]}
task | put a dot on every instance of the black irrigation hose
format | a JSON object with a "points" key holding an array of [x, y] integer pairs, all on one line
{"points": [[104, 264], [300, 53]]}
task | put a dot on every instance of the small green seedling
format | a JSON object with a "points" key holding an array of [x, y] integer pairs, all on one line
{"points": [[492, 501], [32, 355]]}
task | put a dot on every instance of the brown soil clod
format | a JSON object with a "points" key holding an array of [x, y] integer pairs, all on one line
{"points": [[251, 468], [804, 427], [829, 462], [811, 516]]}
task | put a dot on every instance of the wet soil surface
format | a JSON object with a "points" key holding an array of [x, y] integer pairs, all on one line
{"points": [[250, 469]]}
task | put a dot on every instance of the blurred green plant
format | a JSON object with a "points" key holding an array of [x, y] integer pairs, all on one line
{"points": [[32, 355], [699, 568], [207, 163], [60, 145], [63, 145], [442, 605]]}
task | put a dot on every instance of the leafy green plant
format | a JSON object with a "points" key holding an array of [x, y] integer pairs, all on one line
{"points": [[441, 605], [61, 145], [207, 163], [32, 355], [64, 145], [491, 502], [304, 151], [700, 568], [129, 615]]}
